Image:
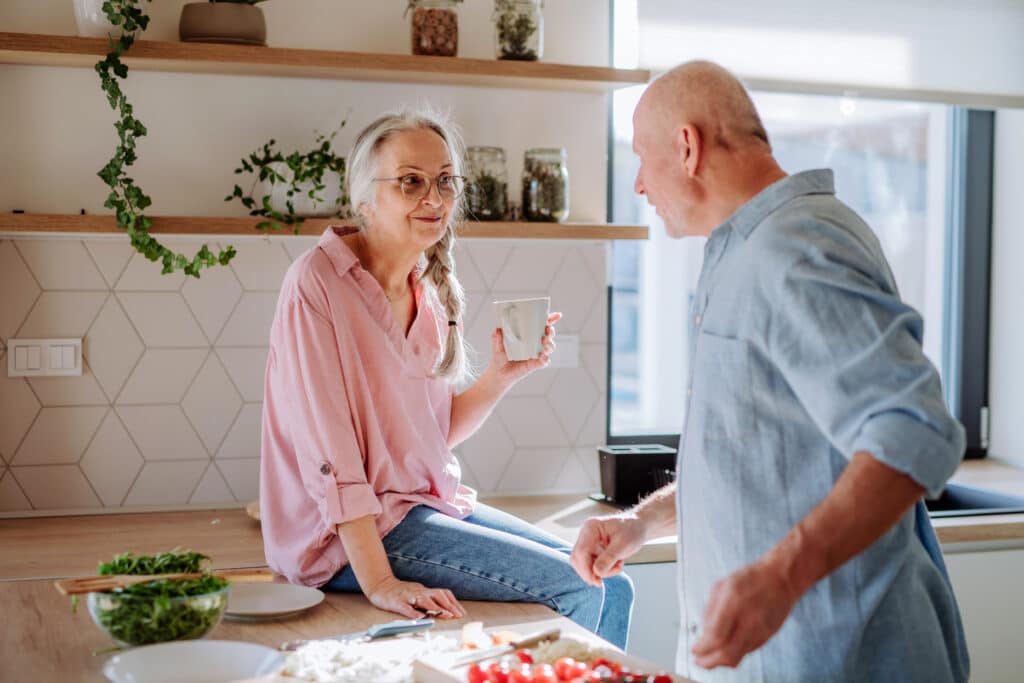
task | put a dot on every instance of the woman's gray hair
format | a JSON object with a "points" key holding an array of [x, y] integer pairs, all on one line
{"points": [[440, 266]]}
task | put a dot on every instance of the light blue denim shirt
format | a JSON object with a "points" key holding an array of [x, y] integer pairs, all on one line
{"points": [[802, 354]]}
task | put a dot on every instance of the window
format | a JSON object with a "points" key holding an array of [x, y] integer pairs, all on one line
{"points": [[890, 159]]}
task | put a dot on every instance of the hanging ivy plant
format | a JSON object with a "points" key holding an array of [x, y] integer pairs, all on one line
{"points": [[126, 198]]}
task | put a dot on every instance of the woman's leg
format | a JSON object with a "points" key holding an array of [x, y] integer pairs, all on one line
{"points": [[616, 607], [471, 558]]}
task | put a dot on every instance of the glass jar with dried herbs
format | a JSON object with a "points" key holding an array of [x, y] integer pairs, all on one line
{"points": [[518, 29], [435, 27], [487, 190], [545, 185]]}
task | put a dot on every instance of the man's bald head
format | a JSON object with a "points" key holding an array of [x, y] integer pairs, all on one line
{"points": [[702, 149], [707, 96]]}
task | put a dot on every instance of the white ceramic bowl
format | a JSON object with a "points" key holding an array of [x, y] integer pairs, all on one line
{"points": [[193, 661]]}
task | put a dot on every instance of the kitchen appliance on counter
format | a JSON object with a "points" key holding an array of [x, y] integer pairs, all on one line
{"points": [[631, 471]]}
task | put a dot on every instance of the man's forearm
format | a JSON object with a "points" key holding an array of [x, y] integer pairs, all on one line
{"points": [[658, 512], [866, 501]]}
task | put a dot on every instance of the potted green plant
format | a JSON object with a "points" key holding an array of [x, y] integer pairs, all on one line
{"points": [[294, 186], [91, 20], [126, 198], [238, 22]]}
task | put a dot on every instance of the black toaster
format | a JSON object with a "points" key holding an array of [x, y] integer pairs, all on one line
{"points": [[631, 471]]}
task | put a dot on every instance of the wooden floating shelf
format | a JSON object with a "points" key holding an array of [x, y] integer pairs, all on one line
{"points": [[213, 226], [155, 55]]}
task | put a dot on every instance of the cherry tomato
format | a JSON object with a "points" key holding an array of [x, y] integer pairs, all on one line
{"points": [[614, 667], [579, 670], [660, 678], [521, 674], [545, 673], [524, 656], [498, 672], [475, 674], [563, 666]]}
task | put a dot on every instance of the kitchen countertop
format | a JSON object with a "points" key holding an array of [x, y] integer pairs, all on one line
{"points": [[563, 515], [50, 643], [39, 547]]}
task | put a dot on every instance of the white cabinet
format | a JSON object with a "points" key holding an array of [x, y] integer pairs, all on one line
{"points": [[989, 587], [655, 625]]}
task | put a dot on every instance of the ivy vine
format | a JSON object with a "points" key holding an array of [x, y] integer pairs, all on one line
{"points": [[126, 198]]}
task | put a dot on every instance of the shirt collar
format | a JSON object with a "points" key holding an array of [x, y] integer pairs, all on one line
{"points": [[343, 258], [340, 256], [768, 200]]}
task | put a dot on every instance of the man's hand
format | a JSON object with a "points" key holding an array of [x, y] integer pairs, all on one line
{"points": [[743, 612], [604, 543]]}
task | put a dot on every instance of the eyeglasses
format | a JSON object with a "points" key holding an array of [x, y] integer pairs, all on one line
{"points": [[417, 185]]}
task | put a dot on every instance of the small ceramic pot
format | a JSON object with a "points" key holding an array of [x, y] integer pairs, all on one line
{"points": [[92, 22], [222, 22]]}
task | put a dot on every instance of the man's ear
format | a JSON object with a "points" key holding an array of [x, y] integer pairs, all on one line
{"points": [[691, 148]]}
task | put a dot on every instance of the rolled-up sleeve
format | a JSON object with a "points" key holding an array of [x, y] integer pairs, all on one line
{"points": [[851, 352], [321, 425]]}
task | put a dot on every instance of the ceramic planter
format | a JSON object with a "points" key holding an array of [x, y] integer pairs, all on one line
{"points": [[222, 22], [92, 22]]}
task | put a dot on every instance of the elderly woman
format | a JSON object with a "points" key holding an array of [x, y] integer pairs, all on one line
{"points": [[359, 488]]}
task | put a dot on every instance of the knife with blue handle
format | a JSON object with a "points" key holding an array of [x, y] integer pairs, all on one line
{"points": [[387, 630]]}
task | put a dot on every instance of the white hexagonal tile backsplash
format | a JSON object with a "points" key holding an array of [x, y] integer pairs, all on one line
{"points": [[168, 410], [18, 288], [61, 264]]}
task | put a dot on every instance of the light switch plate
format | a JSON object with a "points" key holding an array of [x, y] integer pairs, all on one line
{"points": [[44, 357]]}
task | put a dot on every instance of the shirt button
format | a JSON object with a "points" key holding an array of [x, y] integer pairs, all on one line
{"points": [[689, 392], [416, 348], [696, 321], [692, 628], [325, 469]]}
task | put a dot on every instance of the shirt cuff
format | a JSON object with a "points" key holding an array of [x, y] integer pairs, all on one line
{"points": [[914, 448], [347, 502]]}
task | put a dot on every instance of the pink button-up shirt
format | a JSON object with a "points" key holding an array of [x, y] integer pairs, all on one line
{"points": [[354, 422]]}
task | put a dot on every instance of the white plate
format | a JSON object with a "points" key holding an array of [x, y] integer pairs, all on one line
{"points": [[270, 600], [193, 661]]}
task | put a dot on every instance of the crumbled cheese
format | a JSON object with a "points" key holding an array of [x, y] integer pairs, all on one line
{"points": [[333, 661], [568, 646]]}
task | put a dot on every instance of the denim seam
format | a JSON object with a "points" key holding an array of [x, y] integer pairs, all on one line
{"points": [[536, 596]]}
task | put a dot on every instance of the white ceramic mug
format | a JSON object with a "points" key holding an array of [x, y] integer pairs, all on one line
{"points": [[522, 323]]}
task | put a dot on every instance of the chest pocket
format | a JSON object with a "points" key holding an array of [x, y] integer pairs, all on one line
{"points": [[723, 401]]}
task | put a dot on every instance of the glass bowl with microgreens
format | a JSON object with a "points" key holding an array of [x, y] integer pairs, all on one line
{"points": [[160, 610]]}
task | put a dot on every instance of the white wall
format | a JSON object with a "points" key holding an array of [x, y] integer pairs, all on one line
{"points": [[1006, 346], [922, 44], [167, 411]]}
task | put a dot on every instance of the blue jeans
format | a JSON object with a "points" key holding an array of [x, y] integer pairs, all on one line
{"points": [[492, 555]]}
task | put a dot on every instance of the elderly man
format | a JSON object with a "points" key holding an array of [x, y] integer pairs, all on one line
{"points": [[814, 422]]}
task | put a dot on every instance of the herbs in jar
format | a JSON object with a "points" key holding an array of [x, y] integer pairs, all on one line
{"points": [[435, 27], [545, 185], [487, 191], [518, 29]]}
